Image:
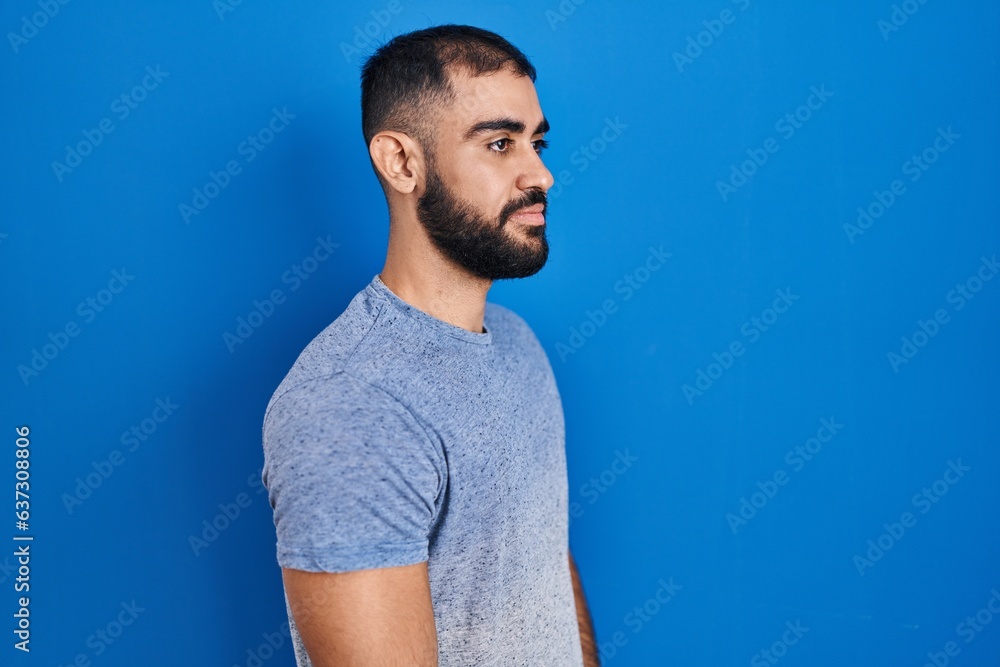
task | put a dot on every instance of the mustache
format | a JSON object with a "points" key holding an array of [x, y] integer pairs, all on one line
{"points": [[530, 198]]}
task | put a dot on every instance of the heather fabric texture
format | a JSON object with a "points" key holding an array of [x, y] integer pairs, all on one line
{"points": [[397, 438]]}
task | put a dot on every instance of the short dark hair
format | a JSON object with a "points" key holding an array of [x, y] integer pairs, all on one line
{"points": [[406, 79]]}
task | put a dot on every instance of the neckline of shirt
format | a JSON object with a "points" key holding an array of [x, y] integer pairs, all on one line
{"points": [[379, 289]]}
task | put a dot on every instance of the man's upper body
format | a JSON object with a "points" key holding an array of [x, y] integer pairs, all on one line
{"points": [[415, 454], [398, 438]]}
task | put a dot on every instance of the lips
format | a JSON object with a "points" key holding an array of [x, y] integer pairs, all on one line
{"points": [[532, 214]]}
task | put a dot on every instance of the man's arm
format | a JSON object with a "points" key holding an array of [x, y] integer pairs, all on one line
{"points": [[587, 642], [380, 617]]}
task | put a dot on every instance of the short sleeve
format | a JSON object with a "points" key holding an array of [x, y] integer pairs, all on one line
{"points": [[352, 477]]}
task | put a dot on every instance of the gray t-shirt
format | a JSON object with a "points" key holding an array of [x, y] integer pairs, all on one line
{"points": [[397, 438]]}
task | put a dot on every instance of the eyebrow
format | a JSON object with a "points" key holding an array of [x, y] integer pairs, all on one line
{"points": [[509, 124]]}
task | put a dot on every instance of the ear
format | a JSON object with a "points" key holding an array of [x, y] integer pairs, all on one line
{"points": [[398, 159]]}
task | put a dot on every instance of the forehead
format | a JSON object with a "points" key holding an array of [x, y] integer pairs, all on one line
{"points": [[497, 94]]}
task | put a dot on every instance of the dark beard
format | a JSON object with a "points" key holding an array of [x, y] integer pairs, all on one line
{"points": [[480, 246]]}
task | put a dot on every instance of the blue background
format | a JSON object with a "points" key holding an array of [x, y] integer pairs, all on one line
{"points": [[669, 517]]}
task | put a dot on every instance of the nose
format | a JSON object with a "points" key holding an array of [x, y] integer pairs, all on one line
{"points": [[534, 173]]}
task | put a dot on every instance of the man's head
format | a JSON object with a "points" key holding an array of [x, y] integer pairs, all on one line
{"points": [[454, 131]]}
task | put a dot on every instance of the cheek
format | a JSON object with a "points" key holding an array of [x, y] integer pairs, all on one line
{"points": [[483, 187]]}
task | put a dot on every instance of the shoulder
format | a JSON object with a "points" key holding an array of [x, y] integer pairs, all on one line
{"points": [[319, 369], [337, 392], [332, 421], [506, 321], [511, 330]]}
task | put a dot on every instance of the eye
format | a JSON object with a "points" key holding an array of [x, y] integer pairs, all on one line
{"points": [[503, 144], [503, 141]]}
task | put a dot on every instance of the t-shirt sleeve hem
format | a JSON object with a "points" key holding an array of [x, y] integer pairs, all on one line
{"points": [[356, 558]]}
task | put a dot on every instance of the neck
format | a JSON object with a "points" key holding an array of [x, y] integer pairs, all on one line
{"points": [[417, 272]]}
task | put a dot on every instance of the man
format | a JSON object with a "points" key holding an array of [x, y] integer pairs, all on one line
{"points": [[415, 452]]}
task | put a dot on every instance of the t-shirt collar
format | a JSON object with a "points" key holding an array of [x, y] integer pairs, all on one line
{"points": [[379, 289]]}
